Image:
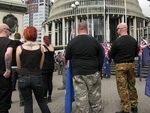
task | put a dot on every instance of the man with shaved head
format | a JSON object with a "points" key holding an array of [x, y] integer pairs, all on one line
{"points": [[6, 48], [86, 55], [123, 51]]}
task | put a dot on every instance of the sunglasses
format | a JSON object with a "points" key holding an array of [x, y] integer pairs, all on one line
{"points": [[7, 29], [120, 28]]}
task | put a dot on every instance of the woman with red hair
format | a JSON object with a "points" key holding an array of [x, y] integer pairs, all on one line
{"points": [[30, 57], [48, 68]]}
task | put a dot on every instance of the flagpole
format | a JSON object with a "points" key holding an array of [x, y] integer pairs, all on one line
{"points": [[88, 15], [104, 21], [125, 5]]}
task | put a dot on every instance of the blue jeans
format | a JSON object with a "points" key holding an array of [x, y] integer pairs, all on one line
{"points": [[27, 84]]}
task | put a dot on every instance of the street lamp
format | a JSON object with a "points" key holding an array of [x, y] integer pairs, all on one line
{"points": [[74, 7]]}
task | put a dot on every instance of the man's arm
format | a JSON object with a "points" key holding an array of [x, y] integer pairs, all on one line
{"points": [[8, 59], [137, 50], [42, 59], [101, 58], [68, 55], [18, 51], [112, 51]]}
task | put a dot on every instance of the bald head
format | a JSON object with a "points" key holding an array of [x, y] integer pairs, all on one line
{"points": [[82, 25], [82, 28], [122, 29], [122, 25], [4, 30], [3, 26]]}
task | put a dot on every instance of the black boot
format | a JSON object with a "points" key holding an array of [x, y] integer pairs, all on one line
{"points": [[121, 112], [21, 104], [45, 99], [61, 88], [134, 110], [49, 99]]}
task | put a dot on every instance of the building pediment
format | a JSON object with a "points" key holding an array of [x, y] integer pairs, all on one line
{"points": [[13, 5]]}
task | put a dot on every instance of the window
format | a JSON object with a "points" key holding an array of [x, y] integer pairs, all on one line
{"points": [[41, 0], [33, 1], [41, 4]]}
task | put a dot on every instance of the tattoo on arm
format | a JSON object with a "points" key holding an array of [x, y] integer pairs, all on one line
{"points": [[8, 60]]}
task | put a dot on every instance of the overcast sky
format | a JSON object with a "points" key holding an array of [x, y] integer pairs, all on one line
{"points": [[145, 5]]}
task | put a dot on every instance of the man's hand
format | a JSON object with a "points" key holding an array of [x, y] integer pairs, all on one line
{"points": [[7, 74]]}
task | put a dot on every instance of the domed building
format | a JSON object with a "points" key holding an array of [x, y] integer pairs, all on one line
{"points": [[102, 17], [12, 14]]}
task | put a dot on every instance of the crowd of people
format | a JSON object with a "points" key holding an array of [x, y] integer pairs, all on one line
{"points": [[33, 66]]}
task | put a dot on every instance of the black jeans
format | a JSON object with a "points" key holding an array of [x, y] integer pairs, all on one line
{"points": [[14, 78], [64, 76], [27, 84], [5, 94], [48, 83], [15, 75]]}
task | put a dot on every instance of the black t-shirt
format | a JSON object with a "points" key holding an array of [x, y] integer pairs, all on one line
{"points": [[48, 65], [30, 62], [4, 44], [124, 49], [86, 55], [16, 44]]}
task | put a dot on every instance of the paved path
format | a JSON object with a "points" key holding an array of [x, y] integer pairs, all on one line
{"points": [[110, 98]]}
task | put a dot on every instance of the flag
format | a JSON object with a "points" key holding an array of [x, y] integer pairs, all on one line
{"points": [[147, 86], [105, 10], [69, 93], [142, 59], [143, 43], [145, 55], [106, 68], [139, 71]]}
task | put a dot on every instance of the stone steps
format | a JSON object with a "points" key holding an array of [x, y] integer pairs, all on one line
{"points": [[144, 69]]}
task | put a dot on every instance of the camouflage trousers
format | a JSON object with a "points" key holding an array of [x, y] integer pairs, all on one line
{"points": [[88, 92], [125, 78]]}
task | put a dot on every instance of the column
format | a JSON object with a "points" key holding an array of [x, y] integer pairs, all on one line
{"points": [[42, 34], [53, 34], [66, 37], [135, 29], [57, 30], [119, 20], [144, 23], [76, 22], [122, 18], [130, 28], [63, 32], [92, 25], [107, 29], [47, 30], [43, 31]]}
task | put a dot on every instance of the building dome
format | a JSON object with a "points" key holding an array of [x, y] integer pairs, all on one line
{"points": [[13, 5], [16, 1], [102, 21], [62, 8]]}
